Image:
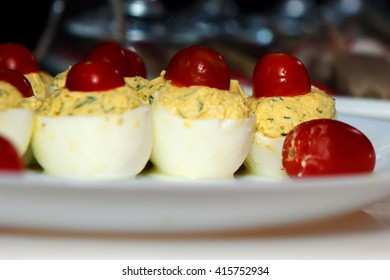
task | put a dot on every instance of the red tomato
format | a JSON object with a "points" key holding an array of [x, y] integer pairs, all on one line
{"points": [[327, 147], [280, 74], [18, 80], [93, 76], [198, 65], [137, 64], [112, 53], [18, 57], [10, 161]]}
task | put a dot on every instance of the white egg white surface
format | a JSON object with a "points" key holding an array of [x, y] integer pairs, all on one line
{"points": [[94, 147], [17, 125], [204, 149], [265, 156]]}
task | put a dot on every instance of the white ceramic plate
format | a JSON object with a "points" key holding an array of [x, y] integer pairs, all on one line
{"points": [[156, 204]]}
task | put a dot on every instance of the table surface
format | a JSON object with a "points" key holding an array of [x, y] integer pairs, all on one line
{"points": [[364, 234]]}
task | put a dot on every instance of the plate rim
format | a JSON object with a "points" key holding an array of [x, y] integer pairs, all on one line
{"points": [[12, 186]]}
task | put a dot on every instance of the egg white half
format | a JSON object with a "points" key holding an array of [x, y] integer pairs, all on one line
{"points": [[265, 157], [100, 147], [17, 125], [204, 149]]}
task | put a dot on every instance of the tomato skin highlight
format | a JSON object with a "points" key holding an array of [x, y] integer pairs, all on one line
{"points": [[18, 80], [17, 57], [93, 76], [327, 147], [280, 74], [200, 66], [10, 161]]}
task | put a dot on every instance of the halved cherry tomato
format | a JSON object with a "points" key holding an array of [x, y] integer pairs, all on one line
{"points": [[198, 65], [137, 64], [95, 75], [17, 57], [18, 80], [112, 53], [327, 147], [10, 160], [280, 74]]}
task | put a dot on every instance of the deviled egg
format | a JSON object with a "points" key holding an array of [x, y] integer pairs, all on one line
{"points": [[202, 125], [18, 57], [95, 127], [16, 118], [127, 61], [282, 98]]}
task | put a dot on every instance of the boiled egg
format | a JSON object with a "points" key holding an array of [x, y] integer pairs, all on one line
{"points": [[17, 125], [200, 148], [200, 132], [282, 98], [16, 121], [275, 117], [202, 125], [93, 128], [94, 147], [264, 157]]}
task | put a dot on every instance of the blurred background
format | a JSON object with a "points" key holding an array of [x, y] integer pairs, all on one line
{"points": [[343, 43]]}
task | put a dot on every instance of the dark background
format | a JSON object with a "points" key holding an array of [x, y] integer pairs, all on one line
{"points": [[24, 21]]}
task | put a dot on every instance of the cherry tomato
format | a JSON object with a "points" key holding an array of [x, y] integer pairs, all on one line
{"points": [[112, 53], [95, 75], [10, 161], [137, 64], [198, 65], [280, 74], [18, 80], [18, 57], [327, 147]]}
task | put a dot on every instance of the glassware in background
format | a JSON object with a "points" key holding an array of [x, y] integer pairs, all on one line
{"points": [[315, 31]]}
